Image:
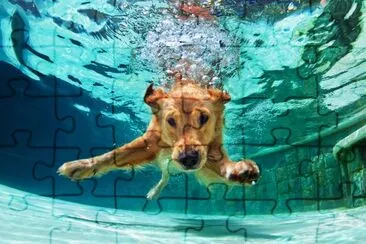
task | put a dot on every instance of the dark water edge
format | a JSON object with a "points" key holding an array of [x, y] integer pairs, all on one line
{"points": [[41, 129]]}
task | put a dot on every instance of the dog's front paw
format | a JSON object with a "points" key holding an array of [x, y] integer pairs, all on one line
{"points": [[78, 169], [245, 171]]}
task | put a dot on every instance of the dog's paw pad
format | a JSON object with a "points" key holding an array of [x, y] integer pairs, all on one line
{"points": [[245, 171], [77, 170]]}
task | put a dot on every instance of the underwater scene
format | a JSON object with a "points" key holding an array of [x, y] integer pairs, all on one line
{"points": [[193, 121]]}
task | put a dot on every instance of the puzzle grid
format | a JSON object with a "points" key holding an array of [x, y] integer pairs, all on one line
{"points": [[42, 129]]}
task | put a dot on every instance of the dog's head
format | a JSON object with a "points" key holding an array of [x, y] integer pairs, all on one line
{"points": [[190, 118]]}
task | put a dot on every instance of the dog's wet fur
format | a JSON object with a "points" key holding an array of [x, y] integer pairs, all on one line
{"points": [[185, 132]]}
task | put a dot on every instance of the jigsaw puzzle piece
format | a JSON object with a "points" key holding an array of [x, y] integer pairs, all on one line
{"points": [[103, 65], [343, 84], [211, 199], [110, 130], [59, 218], [174, 197], [84, 111], [131, 193], [101, 117], [303, 181], [311, 188], [350, 154], [40, 105], [281, 129], [71, 224], [72, 232], [287, 174], [202, 199], [45, 173], [291, 184], [337, 222], [214, 229], [74, 55], [299, 227], [117, 61], [275, 83], [93, 203], [105, 186], [18, 205], [31, 48], [183, 194], [23, 141], [244, 118], [153, 228], [131, 190], [258, 198], [44, 87], [115, 116]]}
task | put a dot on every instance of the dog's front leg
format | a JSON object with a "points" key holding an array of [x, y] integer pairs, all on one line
{"points": [[158, 188], [141, 150]]}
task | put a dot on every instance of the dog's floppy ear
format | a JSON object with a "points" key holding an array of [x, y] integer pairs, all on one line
{"points": [[219, 96], [152, 96]]}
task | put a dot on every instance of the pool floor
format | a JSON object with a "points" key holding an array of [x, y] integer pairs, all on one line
{"points": [[34, 219]]}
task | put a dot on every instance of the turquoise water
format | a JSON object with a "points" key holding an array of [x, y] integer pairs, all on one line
{"points": [[44, 220], [73, 75]]}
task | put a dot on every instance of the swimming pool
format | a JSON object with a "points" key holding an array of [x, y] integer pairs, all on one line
{"points": [[73, 77]]}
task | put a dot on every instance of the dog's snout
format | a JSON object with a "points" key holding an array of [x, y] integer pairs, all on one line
{"points": [[189, 159]]}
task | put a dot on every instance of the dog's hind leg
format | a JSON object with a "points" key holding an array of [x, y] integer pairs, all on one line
{"points": [[139, 151], [158, 188]]}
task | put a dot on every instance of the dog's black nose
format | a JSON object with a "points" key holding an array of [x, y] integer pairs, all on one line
{"points": [[189, 158]]}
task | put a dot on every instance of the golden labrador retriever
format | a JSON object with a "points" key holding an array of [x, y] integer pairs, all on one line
{"points": [[185, 133]]}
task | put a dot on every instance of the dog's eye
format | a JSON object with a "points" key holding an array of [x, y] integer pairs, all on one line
{"points": [[203, 119], [171, 122]]}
